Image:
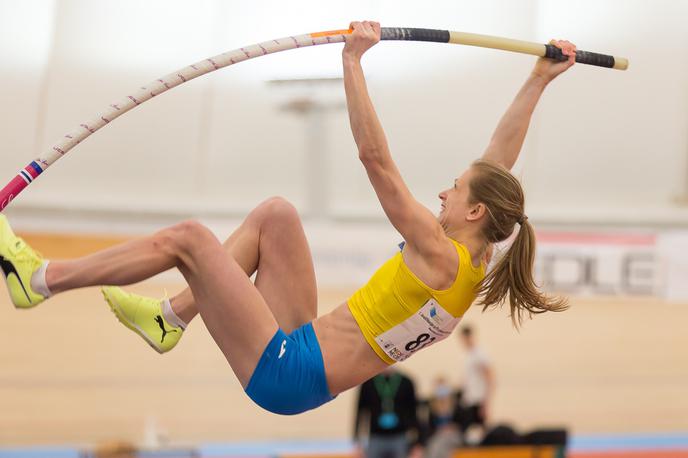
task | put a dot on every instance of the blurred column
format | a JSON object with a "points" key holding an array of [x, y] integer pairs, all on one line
{"points": [[314, 105]]}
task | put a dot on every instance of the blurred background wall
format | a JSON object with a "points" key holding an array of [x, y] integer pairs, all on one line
{"points": [[604, 167], [605, 146]]}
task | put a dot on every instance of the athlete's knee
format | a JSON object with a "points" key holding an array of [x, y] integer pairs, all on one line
{"points": [[273, 213], [183, 237], [278, 210], [192, 232]]}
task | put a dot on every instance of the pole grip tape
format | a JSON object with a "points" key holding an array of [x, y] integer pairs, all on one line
{"points": [[583, 57], [411, 34]]}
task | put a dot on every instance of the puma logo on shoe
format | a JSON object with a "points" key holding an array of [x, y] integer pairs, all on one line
{"points": [[8, 268], [158, 319]]}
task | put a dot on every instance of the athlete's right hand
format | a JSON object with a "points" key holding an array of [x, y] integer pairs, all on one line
{"points": [[364, 36], [548, 69]]}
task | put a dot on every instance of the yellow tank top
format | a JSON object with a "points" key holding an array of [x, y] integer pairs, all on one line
{"points": [[399, 315]]}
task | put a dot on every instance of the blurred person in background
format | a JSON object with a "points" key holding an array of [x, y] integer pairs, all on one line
{"points": [[443, 427], [386, 424], [478, 383]]}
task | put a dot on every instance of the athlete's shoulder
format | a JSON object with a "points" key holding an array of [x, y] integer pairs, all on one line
{"points": [[437, 269]]}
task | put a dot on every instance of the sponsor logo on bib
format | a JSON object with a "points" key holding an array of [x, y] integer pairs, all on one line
{"points": [[430, 324]]}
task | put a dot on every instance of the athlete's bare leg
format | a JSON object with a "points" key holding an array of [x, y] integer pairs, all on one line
{"points": [[271, 241], [232, 308]]}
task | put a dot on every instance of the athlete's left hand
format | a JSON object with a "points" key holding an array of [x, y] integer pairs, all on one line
{"points": [[548, 69], [364, 36]]}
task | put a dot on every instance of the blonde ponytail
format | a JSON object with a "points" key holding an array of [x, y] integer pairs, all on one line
{"points": [[511, 279]]}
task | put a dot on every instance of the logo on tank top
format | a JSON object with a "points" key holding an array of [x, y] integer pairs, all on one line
{"points": [[283, 349]]}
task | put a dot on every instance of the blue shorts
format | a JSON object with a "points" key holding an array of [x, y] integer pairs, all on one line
{"points": [[290, 375]]}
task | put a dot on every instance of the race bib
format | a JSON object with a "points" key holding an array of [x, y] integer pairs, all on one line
{"points": [[428, 325]]}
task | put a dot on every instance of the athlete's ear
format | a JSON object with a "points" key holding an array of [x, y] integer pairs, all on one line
{"points": [[476, 212]]}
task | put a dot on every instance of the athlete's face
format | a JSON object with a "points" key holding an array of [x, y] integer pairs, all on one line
{"points": [[455, 206]]}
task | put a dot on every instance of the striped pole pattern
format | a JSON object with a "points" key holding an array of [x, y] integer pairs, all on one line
{"points": [[160, 85]]}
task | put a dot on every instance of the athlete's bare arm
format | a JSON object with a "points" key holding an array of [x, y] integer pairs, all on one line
{"points": [[508, 137], [415, 223]]}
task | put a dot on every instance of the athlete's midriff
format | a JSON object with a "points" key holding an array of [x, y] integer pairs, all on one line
{"points": [[347, 357], [398, 314]]}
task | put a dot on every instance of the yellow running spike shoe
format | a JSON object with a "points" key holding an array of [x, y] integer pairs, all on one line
{"points": [[18, 262], [143, 315]]}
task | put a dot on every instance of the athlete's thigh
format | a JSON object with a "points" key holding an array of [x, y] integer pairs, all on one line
{"points": [[285, 276], [232, 309]]}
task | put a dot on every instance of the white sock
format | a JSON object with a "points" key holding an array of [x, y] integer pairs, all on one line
{"points": [[170, 316], [38, 282]]}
